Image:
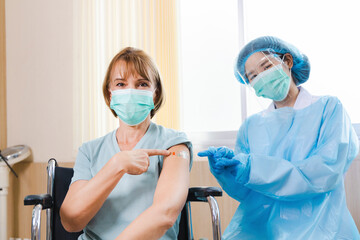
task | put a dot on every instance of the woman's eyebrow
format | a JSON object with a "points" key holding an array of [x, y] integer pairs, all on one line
{"points": [[143, 79]]}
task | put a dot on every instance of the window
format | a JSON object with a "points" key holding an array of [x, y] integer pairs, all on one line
{"points": [[211, 35], [210, 94], [326, 31]]}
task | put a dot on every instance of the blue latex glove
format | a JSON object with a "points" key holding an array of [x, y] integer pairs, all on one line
{"points": [[219, 158], [242, 171], [230, 171], [222, 158]]}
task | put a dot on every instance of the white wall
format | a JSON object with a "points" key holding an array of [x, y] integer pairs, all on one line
{"points": [[39, 51]]}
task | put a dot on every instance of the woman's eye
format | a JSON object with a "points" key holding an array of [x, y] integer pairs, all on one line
{"points": [[120, 84], [253, 76], [144, 84]]}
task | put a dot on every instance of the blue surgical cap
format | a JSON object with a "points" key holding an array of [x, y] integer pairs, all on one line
{"points": [[301, 65]]}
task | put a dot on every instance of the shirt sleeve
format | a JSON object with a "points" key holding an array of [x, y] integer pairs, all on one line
{"points": [[82, 169]]}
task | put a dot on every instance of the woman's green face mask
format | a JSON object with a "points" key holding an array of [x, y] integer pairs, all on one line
{"points": [[131, 105]]}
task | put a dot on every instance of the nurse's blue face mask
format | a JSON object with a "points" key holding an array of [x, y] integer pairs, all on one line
{"points": [[132, 105], [269, 79]]}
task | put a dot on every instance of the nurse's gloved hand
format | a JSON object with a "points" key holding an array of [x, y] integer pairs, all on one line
{"points": [[224, 152], [219, 159], [242, 170], [217, 152], [224, 163], [236, 168]]}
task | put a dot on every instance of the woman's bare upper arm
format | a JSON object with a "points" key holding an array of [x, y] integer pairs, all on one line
{"points": [[173, 184]]}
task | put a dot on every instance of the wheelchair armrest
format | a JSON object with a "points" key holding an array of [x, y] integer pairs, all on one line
{"points": [[44, 199], [200, 194]]}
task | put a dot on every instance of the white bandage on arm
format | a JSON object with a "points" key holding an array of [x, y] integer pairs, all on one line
{"points": [[182, 154]]}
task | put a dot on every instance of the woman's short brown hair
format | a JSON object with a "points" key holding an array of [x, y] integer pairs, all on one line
{"points": [[137, 61]]}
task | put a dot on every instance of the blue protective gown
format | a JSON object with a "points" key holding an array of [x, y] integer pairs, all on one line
{"points": [[294, 179]]}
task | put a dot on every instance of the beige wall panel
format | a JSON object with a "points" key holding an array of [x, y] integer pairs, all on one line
{"points": [[39, 72], [352, 181], [3, 127]]}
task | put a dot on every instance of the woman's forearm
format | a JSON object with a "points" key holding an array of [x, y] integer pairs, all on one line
{"points": [[151, 224], [85, 198]]}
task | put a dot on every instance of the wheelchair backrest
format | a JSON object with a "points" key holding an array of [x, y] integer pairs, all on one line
{"points": [[62, 181]]}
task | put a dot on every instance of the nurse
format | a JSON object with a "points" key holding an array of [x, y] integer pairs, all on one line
{"points": [[287, 170], [126, 185]]}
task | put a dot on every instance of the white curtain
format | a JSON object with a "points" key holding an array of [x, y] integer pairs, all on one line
{"points": [[101, 29]]}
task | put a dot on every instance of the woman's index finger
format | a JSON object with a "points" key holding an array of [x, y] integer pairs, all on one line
{"points": [[154, 152]]}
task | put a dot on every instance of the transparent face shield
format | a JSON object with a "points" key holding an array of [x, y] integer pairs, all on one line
{"points": [[257, 65], [268, 76]]}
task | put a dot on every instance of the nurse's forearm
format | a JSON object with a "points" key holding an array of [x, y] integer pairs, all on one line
{"points": [[283, 180], [231, 186], [85, 198]]}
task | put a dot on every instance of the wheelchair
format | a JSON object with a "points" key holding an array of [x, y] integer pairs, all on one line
{"points": [[58, 182]]}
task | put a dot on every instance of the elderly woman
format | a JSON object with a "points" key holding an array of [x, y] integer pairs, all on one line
{"points": [[288, 167], [127, 184]]}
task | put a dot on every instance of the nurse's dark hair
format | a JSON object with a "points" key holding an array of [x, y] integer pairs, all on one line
{"points": [[137, 61]]}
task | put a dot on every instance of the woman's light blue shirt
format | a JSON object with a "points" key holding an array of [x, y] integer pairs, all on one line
{"points": [[134, 193]]}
